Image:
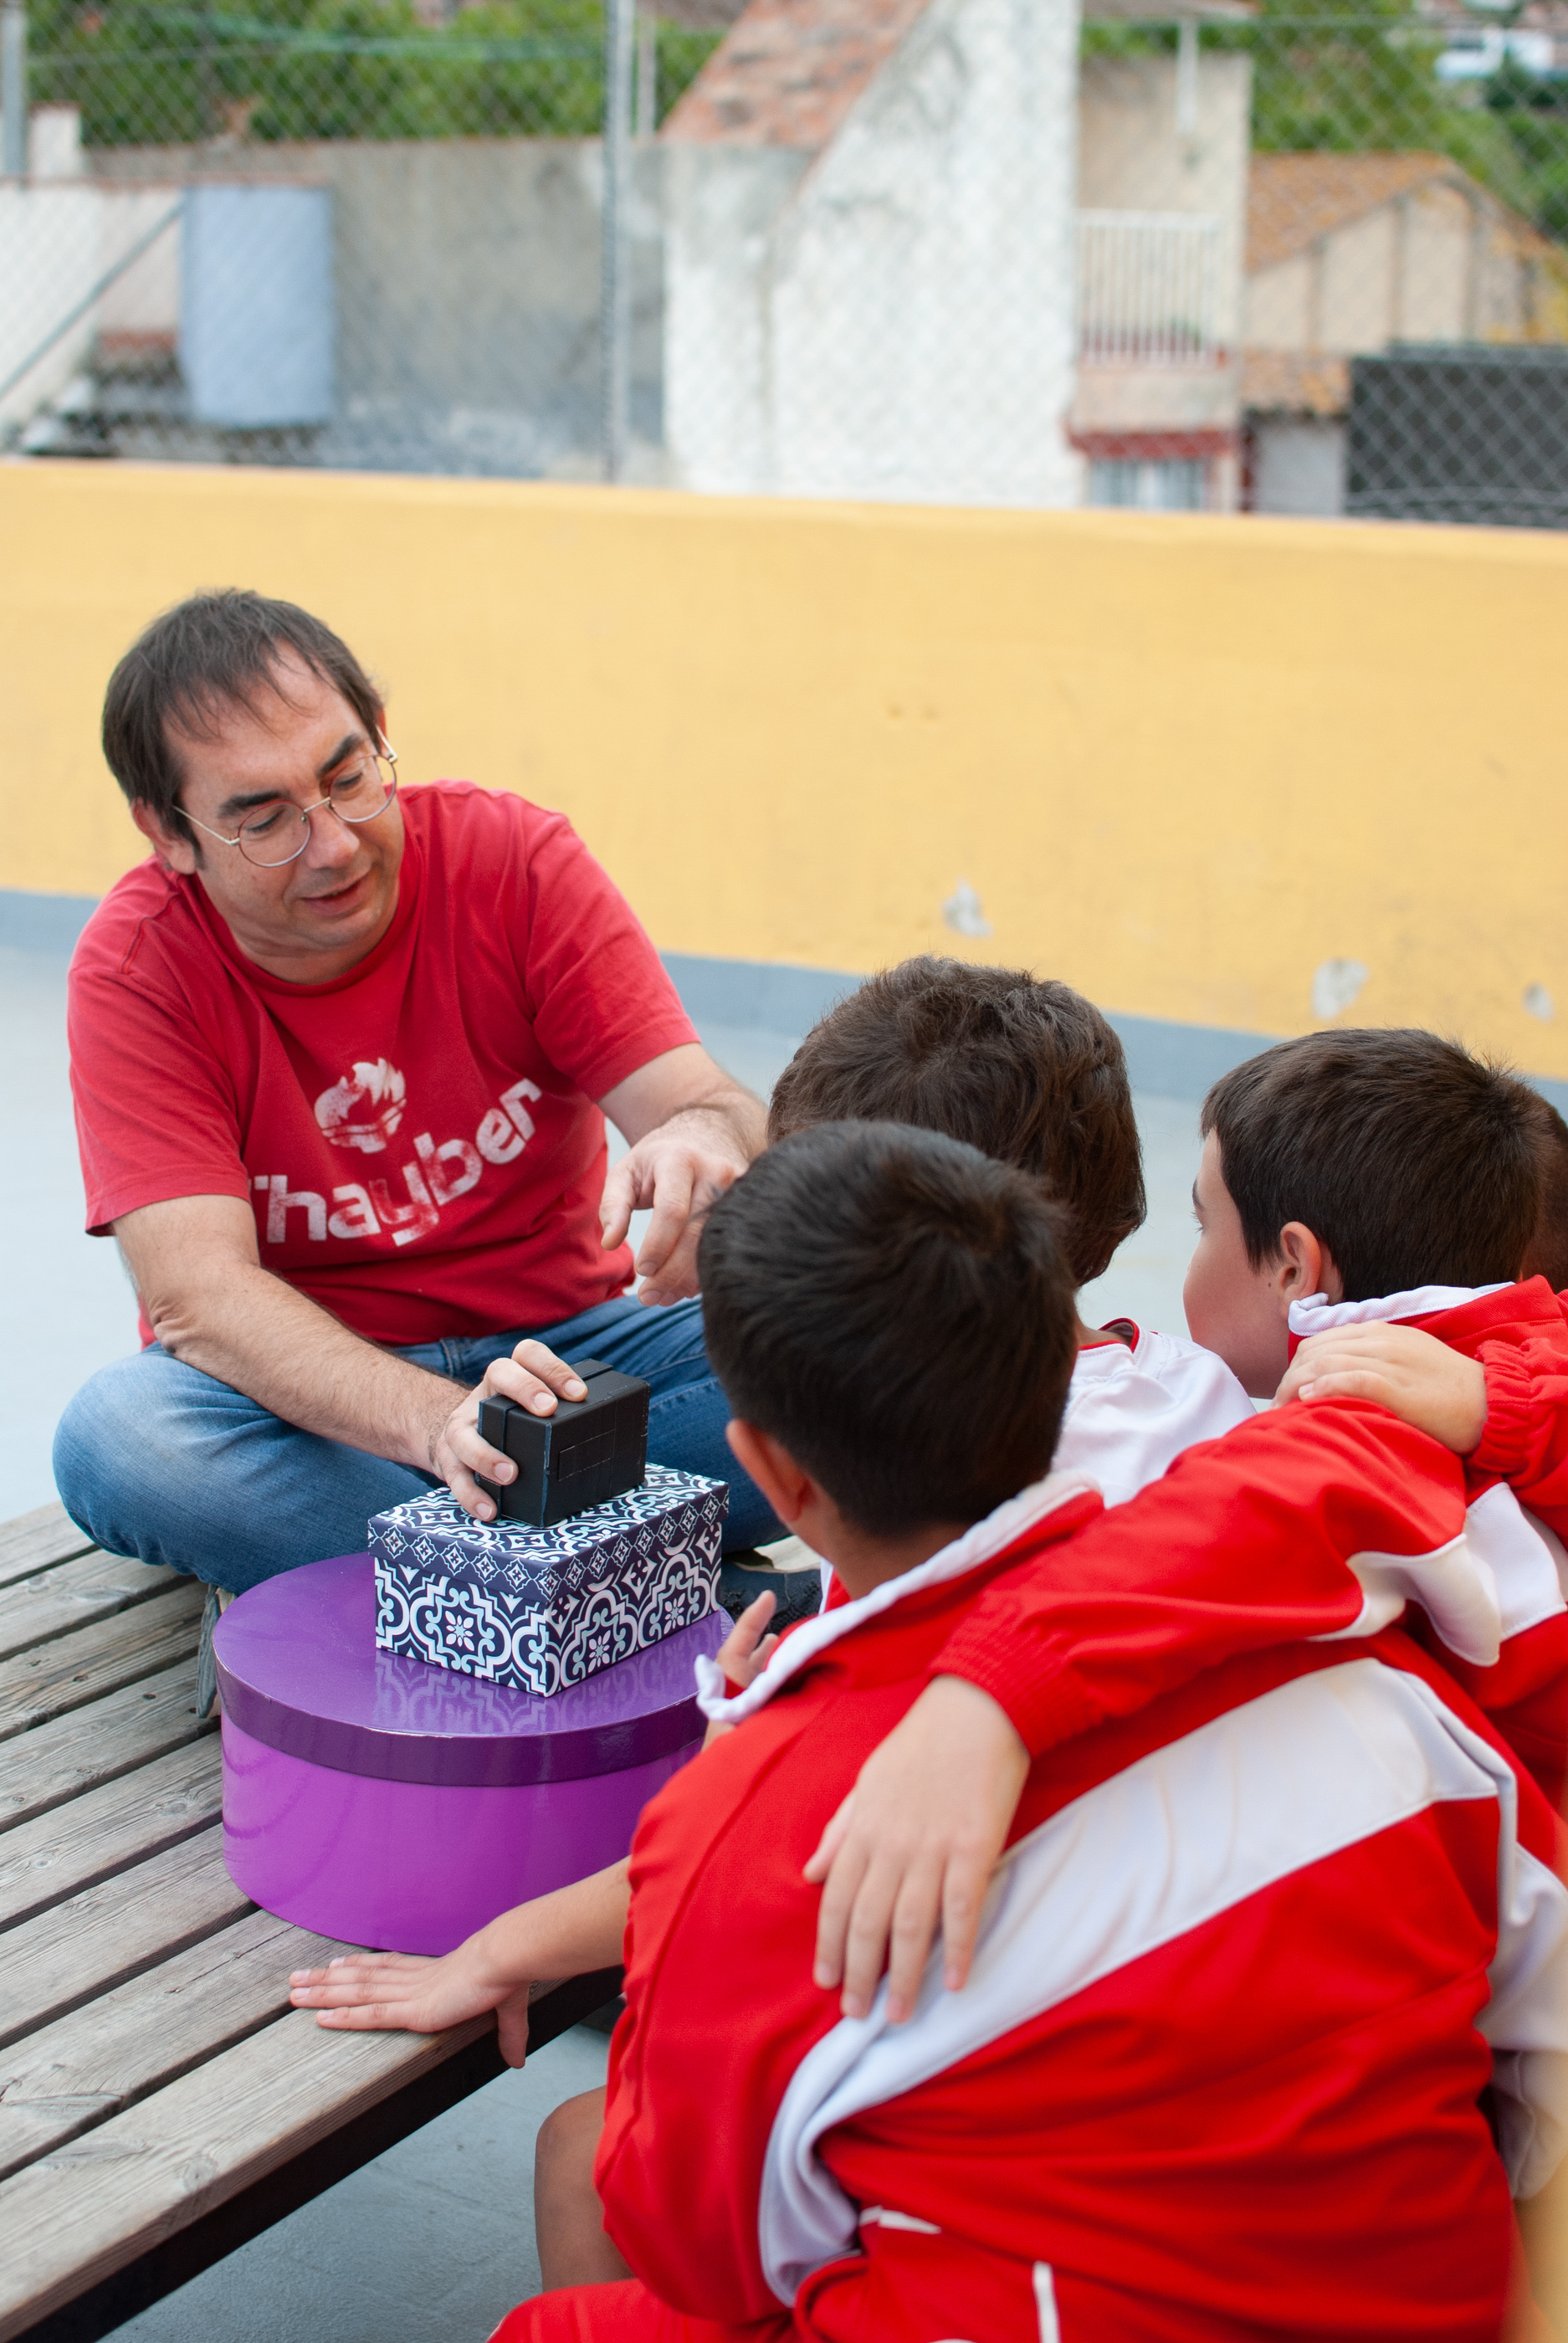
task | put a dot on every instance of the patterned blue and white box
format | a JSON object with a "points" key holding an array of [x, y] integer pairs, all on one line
{"points": [[542, 1609]]}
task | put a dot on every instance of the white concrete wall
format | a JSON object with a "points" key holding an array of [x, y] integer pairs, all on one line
{"points": [[58, 237], [51, 238], [893, 318]]}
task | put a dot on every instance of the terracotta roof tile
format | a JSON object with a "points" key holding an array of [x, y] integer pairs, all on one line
{"points": [[1293, 200], [1295, 382], [788, 71]]}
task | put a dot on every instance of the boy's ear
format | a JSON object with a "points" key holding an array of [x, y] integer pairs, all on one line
{"points": [[1306, 1266], [787, 1488]]}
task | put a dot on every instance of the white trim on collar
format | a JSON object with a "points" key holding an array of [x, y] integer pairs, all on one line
{"points": [[978, 1543], [1319, 1315]]}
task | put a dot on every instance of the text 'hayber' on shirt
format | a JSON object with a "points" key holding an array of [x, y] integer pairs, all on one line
{"points": [[418, 1138]]}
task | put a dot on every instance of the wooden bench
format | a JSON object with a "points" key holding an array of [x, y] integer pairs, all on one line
{"points": [[160, 2103]]}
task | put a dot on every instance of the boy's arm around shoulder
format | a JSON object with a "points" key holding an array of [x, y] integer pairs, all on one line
{"points": [[1245, 1544]]}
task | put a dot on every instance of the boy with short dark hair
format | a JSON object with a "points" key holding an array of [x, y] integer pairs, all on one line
{"points": [[1021, 1067], [1241, 1978], [1362, 1166], [1031, 1072]]}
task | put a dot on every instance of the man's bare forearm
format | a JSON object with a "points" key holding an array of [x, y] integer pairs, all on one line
{"points": [[212, 1308], [730, 1110], [280, 1348]]}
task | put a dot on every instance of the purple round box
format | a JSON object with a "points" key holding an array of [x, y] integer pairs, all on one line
{"points": [[398, 1805]]}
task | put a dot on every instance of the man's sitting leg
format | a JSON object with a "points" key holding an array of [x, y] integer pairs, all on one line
{"points": [[568, 2220], [154, 1460]]}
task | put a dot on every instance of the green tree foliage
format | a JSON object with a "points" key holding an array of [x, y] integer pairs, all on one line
{"points": [[1530, 113], [1334, 81], [147, 74]]}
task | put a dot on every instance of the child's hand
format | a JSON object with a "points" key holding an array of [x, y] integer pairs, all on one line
{"points": [[743, 1654], [913, 1847], [382, 1993], [1415, 1376], [747, 1649]]}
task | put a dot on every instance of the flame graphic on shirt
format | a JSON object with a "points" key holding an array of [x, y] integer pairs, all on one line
{"points": [[365, 1108]]}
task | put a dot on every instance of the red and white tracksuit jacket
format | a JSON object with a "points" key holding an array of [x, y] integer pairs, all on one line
{"points": [[1132, 1407], [1253, 1955], [1135, 1607]]}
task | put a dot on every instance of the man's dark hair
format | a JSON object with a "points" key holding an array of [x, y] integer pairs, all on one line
{"points": [[1413, 1161], [1546, 1254], [1020, 1066], [897, 1309], [213, 651]]}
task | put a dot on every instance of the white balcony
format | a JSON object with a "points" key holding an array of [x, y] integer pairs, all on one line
{"points": [[1148, 289]]}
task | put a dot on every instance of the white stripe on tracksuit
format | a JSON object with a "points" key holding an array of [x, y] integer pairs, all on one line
{"points": [[1507, 1572], [1186, 1833]]}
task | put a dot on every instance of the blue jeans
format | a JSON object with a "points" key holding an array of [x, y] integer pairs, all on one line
{"points": [[159, 1461]]}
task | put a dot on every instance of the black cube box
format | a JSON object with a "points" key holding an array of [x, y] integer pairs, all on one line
{"points": [[589, 1451]]}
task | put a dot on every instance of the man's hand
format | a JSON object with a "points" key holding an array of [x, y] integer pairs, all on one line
{"points": [[389, 1993], [533, 1376], [692, 1131], [1415, 1376], [914, 1845]]}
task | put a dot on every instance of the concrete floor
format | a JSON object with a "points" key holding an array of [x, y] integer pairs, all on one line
{"points": [[434, 2241]]}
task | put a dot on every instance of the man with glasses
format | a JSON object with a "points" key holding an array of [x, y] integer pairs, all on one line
{"points": [[342, 1058]]}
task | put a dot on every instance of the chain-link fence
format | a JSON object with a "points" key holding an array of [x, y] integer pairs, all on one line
{"points": [[320, 231], [1240, 256]]}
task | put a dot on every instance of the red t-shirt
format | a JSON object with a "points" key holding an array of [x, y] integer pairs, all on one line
{"points": [[418, 1138]]}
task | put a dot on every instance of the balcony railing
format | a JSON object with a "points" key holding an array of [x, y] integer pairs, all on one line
{"points": [[1148, 288]]}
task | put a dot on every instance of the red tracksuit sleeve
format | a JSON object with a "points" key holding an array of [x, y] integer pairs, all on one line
{"points": [[1244, 1544], [1525, 1443]]}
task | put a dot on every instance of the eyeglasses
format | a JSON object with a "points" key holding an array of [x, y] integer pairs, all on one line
{"points": [[265, 831]]}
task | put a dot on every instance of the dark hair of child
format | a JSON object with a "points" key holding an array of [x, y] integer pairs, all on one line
{"points": [[1546, 1256], [213, 651], [1411, 1161], [1021, 1067], [896, 1309]]}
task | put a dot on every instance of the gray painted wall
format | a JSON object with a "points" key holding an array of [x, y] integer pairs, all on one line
{"points": [[467, 293]]}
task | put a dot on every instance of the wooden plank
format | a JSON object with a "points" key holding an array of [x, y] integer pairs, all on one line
{"points": [[108, 1829], [52, 1602], [34, 1541], [89, 2207], [96, 1940], [76, 1753], [81, 1667], [63, 2081]]}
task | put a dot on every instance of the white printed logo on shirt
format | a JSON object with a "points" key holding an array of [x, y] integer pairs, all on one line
{"points": [[435, 1175], [365, 1108]]}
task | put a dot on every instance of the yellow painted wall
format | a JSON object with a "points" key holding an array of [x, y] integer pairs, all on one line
{"points": [[1182, 761]]}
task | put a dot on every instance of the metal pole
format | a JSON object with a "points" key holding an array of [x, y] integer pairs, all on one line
{"points": [[646, 74], [1187, 78], [13, 90], [615, 287]]}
